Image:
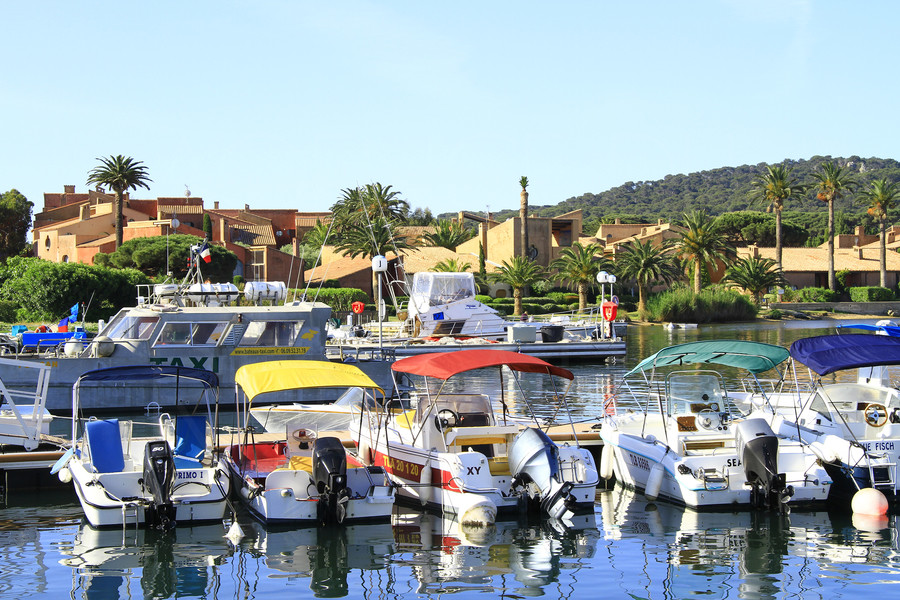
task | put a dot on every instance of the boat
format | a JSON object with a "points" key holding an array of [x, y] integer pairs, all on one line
{"points": [[303, 477], [167, 479], [687, 442], [347, 386], [853, 425], [187, 324], [453, 454], [24, 419]]}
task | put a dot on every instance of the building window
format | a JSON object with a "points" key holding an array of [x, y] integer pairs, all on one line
{"points": [[47, 242]]}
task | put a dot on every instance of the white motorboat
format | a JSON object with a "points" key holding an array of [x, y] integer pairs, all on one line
{"points": [[161, 481], [453, 454], [304, 477], [853, 426], [690, 445]]}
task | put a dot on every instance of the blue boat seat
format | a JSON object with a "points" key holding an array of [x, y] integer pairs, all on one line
{"points": [[105, 443], [190, 441]]}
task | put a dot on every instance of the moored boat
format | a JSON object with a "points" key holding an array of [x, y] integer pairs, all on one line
{"points": [[689, 444], [160, 481], [454, 454], [307, 476]]}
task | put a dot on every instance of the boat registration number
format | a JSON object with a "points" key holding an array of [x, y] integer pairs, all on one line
{"points": [[639, 461], [190, 475]]}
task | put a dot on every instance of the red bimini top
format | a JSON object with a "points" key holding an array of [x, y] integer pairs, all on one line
{"points": [[443, 365]]}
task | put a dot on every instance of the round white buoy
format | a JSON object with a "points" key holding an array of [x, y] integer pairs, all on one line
{"points": [[869, 501]]}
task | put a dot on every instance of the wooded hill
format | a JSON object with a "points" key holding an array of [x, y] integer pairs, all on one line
{"points": [[722, 190]]}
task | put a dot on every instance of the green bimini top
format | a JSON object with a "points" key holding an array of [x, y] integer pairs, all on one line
{"points": [[755, 357]]}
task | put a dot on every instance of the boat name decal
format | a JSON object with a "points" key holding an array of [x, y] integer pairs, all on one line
{"points": [[403, 468], [191, 475], [639, 461], [733, 462], [879, 446], [473, 470], [282, 350], [197, 363]]}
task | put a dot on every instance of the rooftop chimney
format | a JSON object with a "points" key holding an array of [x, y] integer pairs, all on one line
{"points": [[68, 189], [216, 205]]}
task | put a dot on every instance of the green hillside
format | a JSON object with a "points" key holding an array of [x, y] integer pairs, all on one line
{"points": [[726, 189]]}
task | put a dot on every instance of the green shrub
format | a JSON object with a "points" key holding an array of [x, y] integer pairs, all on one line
{"points": [[484, 299], [7, 311], [870, 294], [503, 309], [814, 294], [502, 301], [542, 300], [775, 314], [713, 304], [563, 297], [339, 299], [331, 283]]}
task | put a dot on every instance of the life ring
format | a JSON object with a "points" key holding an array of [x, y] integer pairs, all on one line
{"points": [[42, 329]]}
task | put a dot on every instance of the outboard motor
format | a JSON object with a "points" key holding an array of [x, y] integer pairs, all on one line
{"points": [[757, 446], [330, 476], [534, 463], [159, 480]]}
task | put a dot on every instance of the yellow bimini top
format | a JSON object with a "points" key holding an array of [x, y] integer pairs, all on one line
{"points": [[281, 375]]}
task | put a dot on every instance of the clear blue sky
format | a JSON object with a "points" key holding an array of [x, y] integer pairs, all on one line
{"points": [[282, 104]]}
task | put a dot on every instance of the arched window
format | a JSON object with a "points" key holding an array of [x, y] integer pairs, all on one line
{"points": [[47, 242]]}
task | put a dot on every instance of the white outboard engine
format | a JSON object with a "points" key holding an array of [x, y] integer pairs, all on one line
{"points": [[534, 463], [159, 480], [757, 447], [330, 476]]}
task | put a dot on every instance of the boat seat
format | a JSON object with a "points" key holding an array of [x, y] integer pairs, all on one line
{"points": [[190, 441], [105, 445]]}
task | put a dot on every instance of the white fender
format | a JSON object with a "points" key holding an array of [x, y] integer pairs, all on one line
{"points": [[654, 481], [425, 486], [606, 462]]}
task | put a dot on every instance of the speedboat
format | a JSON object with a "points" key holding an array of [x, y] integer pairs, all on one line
{"points": [[307, 476], [452, 453], [689, 444], [190, 324], [853, 426], [160, 481]]}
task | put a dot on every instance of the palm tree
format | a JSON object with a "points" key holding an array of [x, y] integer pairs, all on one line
{"points": [[833, 182], [881, 197], [449, 234], [578, 265], [523, 214], [518, 273], [360, 239], [646, 264], [364, 204], [756, 275], [451, 265], [774, 187], [119, 174], [701, 242]]}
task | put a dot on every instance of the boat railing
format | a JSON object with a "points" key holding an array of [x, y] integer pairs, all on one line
{"points": [[349, 353]]}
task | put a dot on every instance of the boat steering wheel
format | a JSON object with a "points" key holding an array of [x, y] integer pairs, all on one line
{"points": [[876, 414], [304, 436], [448, 418], [708, 419]]}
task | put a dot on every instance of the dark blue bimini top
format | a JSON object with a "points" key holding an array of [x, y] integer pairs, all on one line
{"points": [[148, 372], [829, 353]]}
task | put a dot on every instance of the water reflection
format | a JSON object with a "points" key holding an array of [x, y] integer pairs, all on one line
{"points": [[448, 557]]}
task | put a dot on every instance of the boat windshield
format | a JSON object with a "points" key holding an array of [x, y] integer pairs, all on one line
{"points": [[354, 397], [125, 327], [471, 410], [435, 289], [689, 393], [190, 334]]}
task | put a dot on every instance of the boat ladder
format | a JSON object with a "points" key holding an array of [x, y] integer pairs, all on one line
{"points": [[883, 476], [130, 510]]}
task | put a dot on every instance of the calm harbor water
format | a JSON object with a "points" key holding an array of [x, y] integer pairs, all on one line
{"points": [[627, 549]]}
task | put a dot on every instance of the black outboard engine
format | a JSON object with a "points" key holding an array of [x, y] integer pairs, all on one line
{"points": [[330, 476], [159, 480], [757, 446]]}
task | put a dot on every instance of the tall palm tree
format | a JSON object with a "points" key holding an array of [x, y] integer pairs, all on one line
{"points": [[832, 183], [754, 274], [360, 239], [578, 265], [449, 234], [775, 187], [881, 197], [120, 174], [702, 242], [647, 264], [518, 273], [364, 204], [523, 214]]}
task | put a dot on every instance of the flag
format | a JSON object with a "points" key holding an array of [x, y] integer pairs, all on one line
{"points": [[63, 326], [73, 313], [204, 252]]}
